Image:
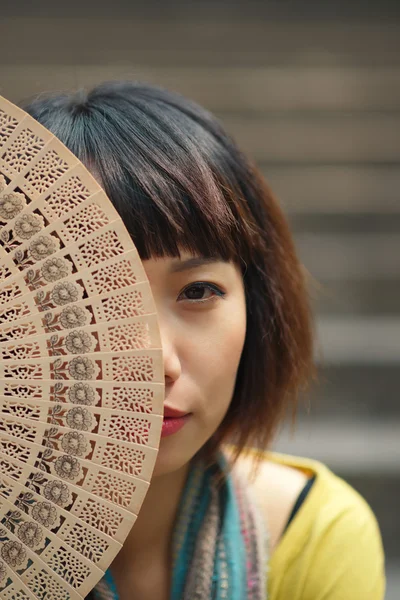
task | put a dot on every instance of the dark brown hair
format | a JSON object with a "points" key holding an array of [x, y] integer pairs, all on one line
{"points": [[179, 181]]}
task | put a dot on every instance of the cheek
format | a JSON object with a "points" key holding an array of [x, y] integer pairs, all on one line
{"points": [[225, 352], [215, 358]]}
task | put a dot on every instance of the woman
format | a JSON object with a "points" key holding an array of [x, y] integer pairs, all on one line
{"points": [[237, 345]]}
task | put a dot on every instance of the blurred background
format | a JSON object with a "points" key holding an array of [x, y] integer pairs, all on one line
{"points": [[312, 91]]}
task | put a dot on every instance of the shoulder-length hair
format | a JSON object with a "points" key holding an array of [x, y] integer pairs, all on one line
{"points": [[180, 182]]}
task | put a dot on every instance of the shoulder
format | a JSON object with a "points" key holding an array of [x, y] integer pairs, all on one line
{"points": [[276, 488], [332, 549], [342, 550]]}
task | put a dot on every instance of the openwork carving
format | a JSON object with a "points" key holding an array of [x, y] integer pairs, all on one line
{"points": [[86, 542], [5, 489], [44, 585], [14, 450], [124, 459], [127, 337], [7, 126], [18, 430], [20, 390], [22, 351], [10, 292], [124, 306], [46, 172], [4, 272], [24, 148], [133, 399], [12, 469], [11, 593], [129, 429], [86, 221], [100, 516], [21, 410], [114, 277], [133, 368], [18, 332], [66, 197], [16, 371], [69, 567], [99, 249], [112, 488]]}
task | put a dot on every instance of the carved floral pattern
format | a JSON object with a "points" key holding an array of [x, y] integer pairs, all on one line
{"points": [[81, 368], [44, 513], [81, 393], [79, 418], [30, 534], [42, 247], [57, 492], [13, 553], [73, 316], [54, 269], [74, 443], [67, 467], [78, 341], [11, 205], [63, 292], [27, 226]]}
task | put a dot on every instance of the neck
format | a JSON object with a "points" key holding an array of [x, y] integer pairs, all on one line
{"points": [[149, 541]]}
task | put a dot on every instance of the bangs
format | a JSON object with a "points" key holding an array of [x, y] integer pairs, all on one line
{"points": [[166, 215], [163, 167]]}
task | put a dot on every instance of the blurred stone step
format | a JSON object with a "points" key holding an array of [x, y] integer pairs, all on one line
{"points": [[393, 579], [230, 89], [335, 189], [357, 340], [204, 41], [350, 256], [216, 9], [352, 392], [367, 223], [352, 298], [352, 447], [322, 137]]}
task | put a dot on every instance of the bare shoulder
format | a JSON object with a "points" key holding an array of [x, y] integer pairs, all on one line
{"points": [[276, 487]]}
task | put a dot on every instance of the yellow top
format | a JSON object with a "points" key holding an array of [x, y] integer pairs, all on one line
{"points": [[332, 549]]}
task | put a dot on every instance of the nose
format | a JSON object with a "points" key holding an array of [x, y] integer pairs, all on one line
{"points": [[172, 363]]}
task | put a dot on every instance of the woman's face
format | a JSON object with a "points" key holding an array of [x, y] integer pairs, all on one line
{"points": [[202, 315]]}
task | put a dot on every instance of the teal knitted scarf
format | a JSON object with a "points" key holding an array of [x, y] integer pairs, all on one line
{"points": [[220, 542]]}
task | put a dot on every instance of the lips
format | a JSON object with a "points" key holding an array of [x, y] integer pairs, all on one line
{"points": [[174, 413]]}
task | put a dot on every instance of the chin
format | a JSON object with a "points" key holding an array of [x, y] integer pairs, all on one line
{"points": [[172, 458]]}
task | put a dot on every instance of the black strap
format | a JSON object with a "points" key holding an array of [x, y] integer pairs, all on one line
{"points": [[300, 499]]}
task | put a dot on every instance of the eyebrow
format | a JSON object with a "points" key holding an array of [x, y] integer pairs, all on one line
{"points": [[192, 263]]}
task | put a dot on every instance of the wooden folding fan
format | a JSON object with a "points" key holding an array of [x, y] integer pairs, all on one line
{"points": [[81, 372]]}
